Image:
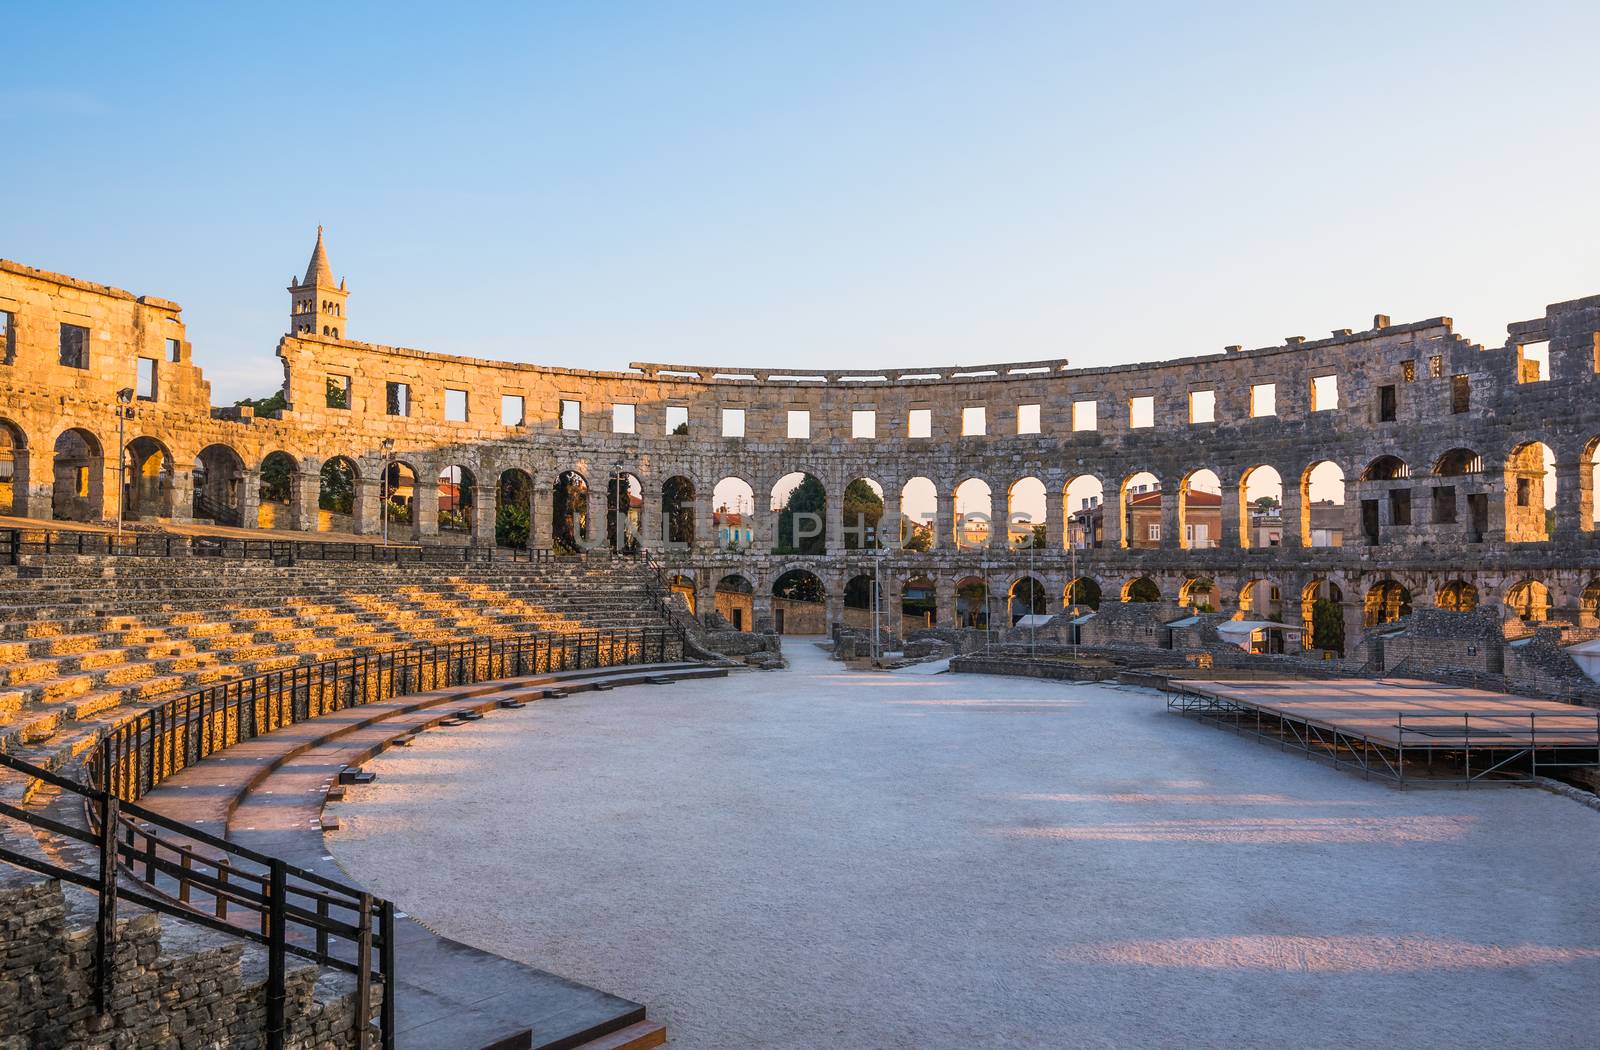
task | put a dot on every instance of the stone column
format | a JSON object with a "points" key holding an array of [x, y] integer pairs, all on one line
{"points": [[705, 530], [833, 520], [305, 490], [483, 515], [889, 524], [1570, 487], [541, 536], [596, 531], [425, 505], [1170, 530], [945, 521], [649, 515], [889, 588], [1232, 515], [1112, 519], [945, 610], [368, 510], [250, 499], [1290, 512], [180, 509], [34, 491], [1055, 521]]}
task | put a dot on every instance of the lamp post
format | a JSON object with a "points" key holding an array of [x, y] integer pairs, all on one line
{"points": [[124, 410], [383, 491]]}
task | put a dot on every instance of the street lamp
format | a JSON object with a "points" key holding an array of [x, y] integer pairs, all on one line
{"points": [[124, 412], [383, 491]]}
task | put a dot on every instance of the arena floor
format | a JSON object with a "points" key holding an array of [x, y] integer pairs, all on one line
{"points": [[817, 859]]}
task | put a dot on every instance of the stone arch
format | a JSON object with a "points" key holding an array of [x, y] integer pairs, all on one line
{"points": [[1322, 616], [1530, 492], [974, 514], [1322, 501], [1200, 510], [1141, 589], [685, 585], [919, 602], [1199, 593], [397, 493], [513, 508], [1261, 507], [1140, 504], [677, 511], [147, 479], [625, 512], [569, 511], [78, 487], [1456, 596], [799, 603], [1083, 499], [1530, 600], [863, 514], [1589, 605], [218, 480], [734, 599], [1261, 599], [800, 502], [1081, 590], [13, 469], [733, 509], [919, 509], [1386, 468], [1456, 463], [1027, 514], [275, 488], [972, 602], [1025, 597], [1588, 484], [336, 494], [858, 600], [1387, 600]]}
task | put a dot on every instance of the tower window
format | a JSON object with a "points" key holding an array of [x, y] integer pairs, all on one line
{"points": [[74, 346]]}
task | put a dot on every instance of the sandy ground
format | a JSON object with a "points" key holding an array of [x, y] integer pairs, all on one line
{"points": [[817, 859]]}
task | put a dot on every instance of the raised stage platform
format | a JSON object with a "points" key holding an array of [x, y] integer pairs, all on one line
{"points": [[1402, 729]]}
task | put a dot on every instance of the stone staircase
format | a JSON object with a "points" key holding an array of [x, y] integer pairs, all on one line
{"points": [[86, 642]]}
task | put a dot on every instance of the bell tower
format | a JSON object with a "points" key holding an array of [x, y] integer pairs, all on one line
{"points": [[316, 304]]}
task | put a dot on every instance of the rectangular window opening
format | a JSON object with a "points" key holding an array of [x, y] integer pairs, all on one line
{"points": [[677, 423], [1084, 415], [455, 405], [174, 350], [1533, 362], [145, 388], [570, 414], [397, 399], [919, 423], [512, 412], [623, 418], [1388, 404], [74, 346], [1027, 419], [8, 327], [973, 421], [799, 424], [1436, 366], [1408, 371], [733, 422], [863, 424], [1202, 406], [1264, 399], [1141, 412], [1460, 394], [1324, 393], [338, 391]]}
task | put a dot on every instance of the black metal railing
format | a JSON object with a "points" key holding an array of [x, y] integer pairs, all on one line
{"points": [[224, 887], [17, 543]]}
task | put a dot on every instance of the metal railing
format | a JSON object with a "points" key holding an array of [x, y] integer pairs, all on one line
{"points": [[17, 543]]}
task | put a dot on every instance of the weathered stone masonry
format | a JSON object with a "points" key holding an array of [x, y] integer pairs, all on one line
{"points": [[1444, 487]]}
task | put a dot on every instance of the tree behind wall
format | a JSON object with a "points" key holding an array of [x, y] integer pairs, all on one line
{"points": [[807, 497], [1327, 625]]}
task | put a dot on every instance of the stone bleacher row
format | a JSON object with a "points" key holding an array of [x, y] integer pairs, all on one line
{"points": [[86, 642]]}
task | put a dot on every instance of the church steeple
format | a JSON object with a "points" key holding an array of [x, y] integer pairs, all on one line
{"points": [[316, 304]]}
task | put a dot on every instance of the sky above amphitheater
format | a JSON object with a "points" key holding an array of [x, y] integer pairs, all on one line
{"points": [[816, 185]]}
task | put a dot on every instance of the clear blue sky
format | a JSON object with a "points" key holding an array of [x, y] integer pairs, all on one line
{"points": [[809, 184]]}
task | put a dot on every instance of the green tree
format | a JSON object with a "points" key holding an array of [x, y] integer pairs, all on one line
{"points": [[265, 407], [807, 497], [1143, 590], [921, 538], [798, 587], [1327, 625], [863, 510], [338, 491], [511, 525]]}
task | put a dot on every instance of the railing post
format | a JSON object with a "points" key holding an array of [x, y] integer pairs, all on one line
{"points": [[363, 1010], [276, 940], [386, 965], [105, 958]]}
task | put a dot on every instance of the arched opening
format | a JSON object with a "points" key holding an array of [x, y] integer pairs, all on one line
{"points": [[1085, 505], [1261, 600], [1589, 605], [1530, 600], [513, 509], [1322, 616], [1082, 592], [972, 602], [624, 512], [733, 516], [1530, 493], [1384, 504], [1386, 602], [1588, 484], [677, 510], [569, 511], [456, 506], [974, 507], [799, 603], [77, 492], [735, 601], [1141, 510], [13, 469], [217, 478], [1457, 596], [1027, 512], [858, 601], [273, 491], [1454, 503], [1025, 598], [397, 493], [863, 514], [1141, 589], [801, 504], [1322, 505], [1198, 593], [147, 480], [1261, 508], [336, 495], [1200, 511], [919, 507], [684, 586], [919, 603], [1386, 468]]}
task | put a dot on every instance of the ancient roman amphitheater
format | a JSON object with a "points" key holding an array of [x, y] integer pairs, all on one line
{"points": [[1377, 548]]}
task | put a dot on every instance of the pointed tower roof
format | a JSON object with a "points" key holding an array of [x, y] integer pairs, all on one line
{"points": [[317, 270]]}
